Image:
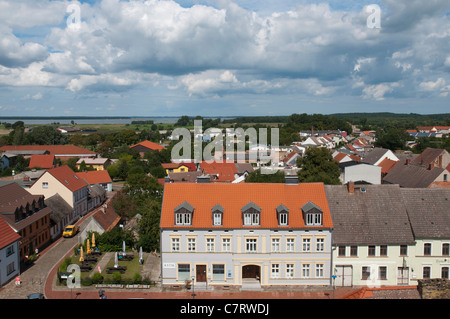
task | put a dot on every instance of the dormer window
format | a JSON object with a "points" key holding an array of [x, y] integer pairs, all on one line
{"points": [[312, 214], [282, 215], [251, 214], [183, 214], [217, 215]]}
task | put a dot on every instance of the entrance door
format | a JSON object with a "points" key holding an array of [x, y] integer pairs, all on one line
{"points": [[251, 271], [402, 276], [201, 273], [344, 276]]}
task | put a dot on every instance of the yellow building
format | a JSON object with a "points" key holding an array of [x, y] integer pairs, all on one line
{"points": [[98, 164], [179, 167]]}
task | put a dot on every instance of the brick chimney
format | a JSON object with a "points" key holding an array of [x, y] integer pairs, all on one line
{"points": [[408, 161], [430, 166], [351, 187]]}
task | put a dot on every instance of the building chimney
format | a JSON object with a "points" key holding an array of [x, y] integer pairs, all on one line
{"points": [[291, 179], [351, 187], [203, 179], [430, 166], [408, 161]]}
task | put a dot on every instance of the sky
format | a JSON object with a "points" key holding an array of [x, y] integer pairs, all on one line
{"points": [[223, 57]]}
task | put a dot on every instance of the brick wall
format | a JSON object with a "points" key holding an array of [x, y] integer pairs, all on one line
{"points": [[434, 288]]}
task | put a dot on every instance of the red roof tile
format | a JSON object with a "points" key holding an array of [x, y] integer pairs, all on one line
{"points": [[149, 145], [95, 177], [232, 197], [386, 165], [66, 177], [224, 171], [42, 161], [7, 234]]}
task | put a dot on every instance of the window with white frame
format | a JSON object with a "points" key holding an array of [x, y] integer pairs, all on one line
{"points": [[306, 244], [226, 244], [218, 272], [275, 271], [44, 184], [289, 271], [183, 214], [319, 270], [275, 245], [210, 245], [312, 214], [184, 272], [250, 245], [282, 215], [191, 244], [251, 214], [175, 244], [306, 270], [290, 245], [320, 244], [217, 219]]}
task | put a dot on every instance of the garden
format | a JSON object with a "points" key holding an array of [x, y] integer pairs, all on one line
{"points": [[105, 263]]}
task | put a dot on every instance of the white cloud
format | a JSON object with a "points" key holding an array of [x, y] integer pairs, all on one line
{"points": [[432, 86], [377, 92]]}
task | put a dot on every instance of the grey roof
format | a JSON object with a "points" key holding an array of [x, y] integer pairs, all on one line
{"points": [[185, 205], [250, 205], [412, 176], [244, 167], [60, 208], [310, 205], [376, 216], [281, 207], [217, 207], [429, 211], [374, 155], [428, 156]]}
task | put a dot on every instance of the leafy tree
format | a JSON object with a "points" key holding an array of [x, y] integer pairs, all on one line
{"points": [[317, 166], [46, 135], [393, 138], [257, 177], [148, 225]]}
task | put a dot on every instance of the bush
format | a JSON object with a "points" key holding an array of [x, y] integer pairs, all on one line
{"points": [[97, 278], [63, 266], [137, 278], [117, 277]]}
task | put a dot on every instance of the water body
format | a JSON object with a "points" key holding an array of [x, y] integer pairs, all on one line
{"points": [[88, 120]]}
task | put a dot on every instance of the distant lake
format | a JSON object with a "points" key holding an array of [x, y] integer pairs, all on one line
{"points": [[89, 120]]}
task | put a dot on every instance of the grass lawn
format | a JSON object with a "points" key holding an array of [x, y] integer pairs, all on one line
{"points": [[133, 267]]}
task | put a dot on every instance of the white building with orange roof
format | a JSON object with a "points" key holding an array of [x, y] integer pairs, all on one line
{"points": [[245, 235]]}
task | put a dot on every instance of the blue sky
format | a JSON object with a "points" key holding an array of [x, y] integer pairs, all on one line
{"points": [[223, 57]]}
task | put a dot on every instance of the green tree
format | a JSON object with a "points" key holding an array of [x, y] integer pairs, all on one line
{"points": [[317, 166], [257, 177]]}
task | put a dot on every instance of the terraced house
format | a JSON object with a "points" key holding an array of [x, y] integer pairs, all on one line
{"points": [[223, 234]]}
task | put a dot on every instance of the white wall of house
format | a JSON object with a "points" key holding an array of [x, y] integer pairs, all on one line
{"points": [[9, 262], [274, 259], [362, 172]]}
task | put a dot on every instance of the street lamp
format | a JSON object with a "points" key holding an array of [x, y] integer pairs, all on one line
{"points": [[193, 289]]}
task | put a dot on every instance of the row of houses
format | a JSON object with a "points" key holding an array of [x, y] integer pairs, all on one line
{"points": [[34, 215], [430, 169], [278, 235]]}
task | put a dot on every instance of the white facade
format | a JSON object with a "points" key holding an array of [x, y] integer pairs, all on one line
{"points": [[362, 172], [9, 262]]}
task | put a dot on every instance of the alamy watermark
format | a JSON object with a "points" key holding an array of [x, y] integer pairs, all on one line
{"points": [[73, 21], [373, 21]]}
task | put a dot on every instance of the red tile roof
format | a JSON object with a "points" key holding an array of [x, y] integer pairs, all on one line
{"points": [[149, 145], [386, 165], [7, 234], [42, 161], [66, 177], [232, 197], [224, 171], [95, 177]]}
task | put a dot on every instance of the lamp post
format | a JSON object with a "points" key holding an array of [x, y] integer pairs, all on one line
{"points": [[193, 288]]}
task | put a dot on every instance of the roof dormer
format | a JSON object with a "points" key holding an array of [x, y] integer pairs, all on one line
{"points": [[183, 214], [217, 215], [312, 214], [251, 214], [282, 215]]}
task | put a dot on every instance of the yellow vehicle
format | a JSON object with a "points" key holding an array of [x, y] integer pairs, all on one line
{"points": [[70, 231]]}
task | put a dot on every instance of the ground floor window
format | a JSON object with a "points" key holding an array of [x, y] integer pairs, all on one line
{"points": [[184, 272], [289, 271], [218, 272], [275, 273]]}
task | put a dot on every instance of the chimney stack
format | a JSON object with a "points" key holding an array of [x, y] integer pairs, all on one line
{"points": [[430, 166], [408, 161], [351, 187], [291, 179]]}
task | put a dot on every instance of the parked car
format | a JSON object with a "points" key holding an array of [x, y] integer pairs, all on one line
{"points": [[36, 295], [70, 231]]}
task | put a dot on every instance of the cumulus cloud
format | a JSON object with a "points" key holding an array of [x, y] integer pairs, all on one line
{"points": [[214, 49]]}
